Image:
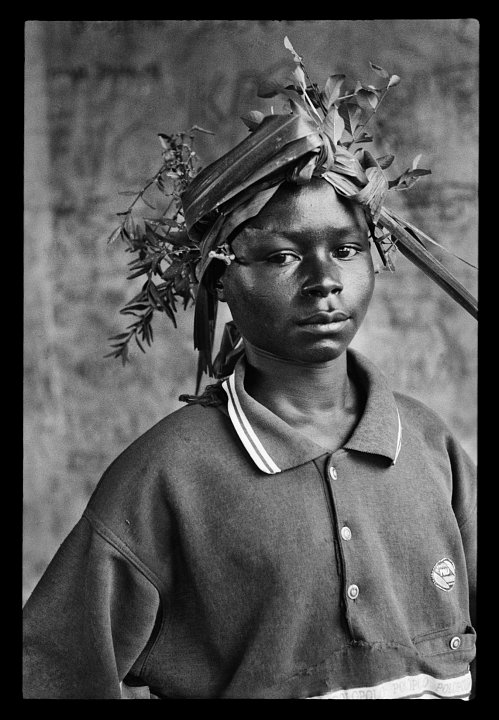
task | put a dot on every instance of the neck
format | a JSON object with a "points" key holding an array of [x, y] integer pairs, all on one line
{"points": [[287, 386]]}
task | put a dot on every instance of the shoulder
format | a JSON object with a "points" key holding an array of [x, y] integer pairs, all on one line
{"points": [[423, 422], [420, 416], [146, 469], [426, 421], [431, 443], [136, 501], [186, 430]]}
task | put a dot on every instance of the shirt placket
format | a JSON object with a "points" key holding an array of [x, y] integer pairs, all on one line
{"points": [[345, 542]]}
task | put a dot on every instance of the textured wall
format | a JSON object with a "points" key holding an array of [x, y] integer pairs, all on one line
{"points": [[96, 95]]}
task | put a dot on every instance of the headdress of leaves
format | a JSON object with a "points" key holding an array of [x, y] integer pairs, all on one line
{"points": [[312, 137], [164, 254]]}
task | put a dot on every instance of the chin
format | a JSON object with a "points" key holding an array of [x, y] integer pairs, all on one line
{"points": [[325, 354], [319, 354]]}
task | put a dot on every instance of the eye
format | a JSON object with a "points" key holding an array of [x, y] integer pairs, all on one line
{"points": [[283, 258], [346, 252]]}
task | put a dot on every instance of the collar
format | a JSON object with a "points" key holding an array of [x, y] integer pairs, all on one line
{"points": [[274, 446]]}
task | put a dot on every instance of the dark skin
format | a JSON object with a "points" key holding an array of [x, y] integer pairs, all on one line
{"points": [[298, 292]]}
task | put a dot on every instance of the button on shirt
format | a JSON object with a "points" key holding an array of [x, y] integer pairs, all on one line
{"points": [[346, 533], [225, 555]]}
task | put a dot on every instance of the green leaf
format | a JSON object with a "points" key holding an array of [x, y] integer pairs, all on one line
{"points": [[288, 46], [418, 172], [138, 273], [139, 344], [179, 239], [364, 138], [417, 254], [124, 236], [161, 302], [131, 312], [298, 107], [379, 71], [146, 202], [171, 271], [130, 225], [114, 235], [252, 119], [120, 336], [367, 99], [139, 263], [270, 88], [385, 161], [351, 114], [135, 306], [164, 141], [299, 76], [348, 164], [346, 139], [332, 89], [407, 179], [394, 80], [235, 170], [203, 130], [334, 125]]}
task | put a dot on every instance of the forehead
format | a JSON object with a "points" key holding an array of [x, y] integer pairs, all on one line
{"points": [[312, 207]]}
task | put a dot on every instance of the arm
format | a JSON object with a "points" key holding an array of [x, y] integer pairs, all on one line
{"points": [[89, 618]]}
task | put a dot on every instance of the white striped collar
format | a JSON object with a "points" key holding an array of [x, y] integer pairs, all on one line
{"points": [[246, 433], [274, 446], [399, 437]]}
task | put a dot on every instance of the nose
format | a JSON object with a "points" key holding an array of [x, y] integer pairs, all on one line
{"points": [[323, 279]]}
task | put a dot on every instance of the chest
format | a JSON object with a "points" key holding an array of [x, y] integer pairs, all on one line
{"points": [[305, 537]]}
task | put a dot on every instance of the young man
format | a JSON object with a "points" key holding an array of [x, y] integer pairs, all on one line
{"points": [[299, 530], [313, 535]]}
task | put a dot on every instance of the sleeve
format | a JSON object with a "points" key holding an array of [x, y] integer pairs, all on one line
{"points": [[465, 508], [464, 501], [88, 620]]}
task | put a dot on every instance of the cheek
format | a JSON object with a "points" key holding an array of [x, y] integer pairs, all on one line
{"points": [[242, 289], [368, 275], [254, 304], [364, 282], [249, 306], [368, 285]]}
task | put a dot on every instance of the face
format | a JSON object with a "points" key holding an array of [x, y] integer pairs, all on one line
{"points": [[303, 275]]}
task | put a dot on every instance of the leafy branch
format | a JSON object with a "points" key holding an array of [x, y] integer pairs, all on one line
{"points": [[343, 117], [164, 253]]}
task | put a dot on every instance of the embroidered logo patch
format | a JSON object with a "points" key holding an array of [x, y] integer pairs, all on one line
{"points": [[444, 574]]}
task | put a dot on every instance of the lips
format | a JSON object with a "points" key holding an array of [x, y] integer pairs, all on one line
{"points": [[325, 318]]}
